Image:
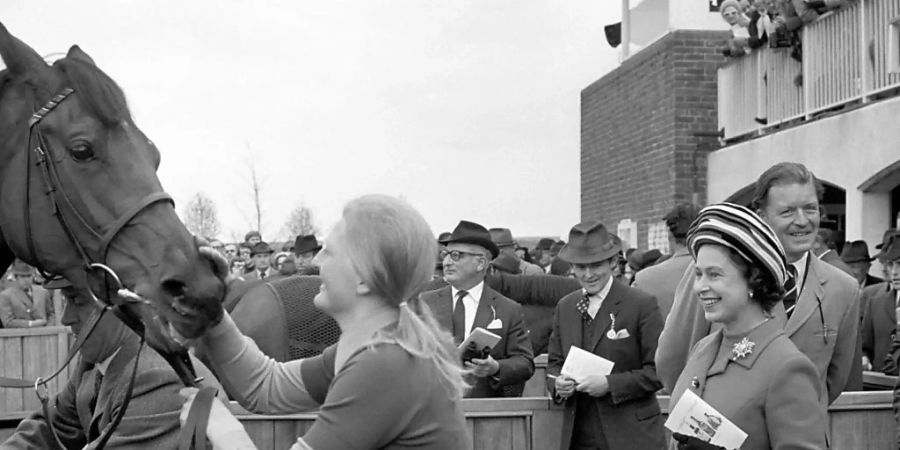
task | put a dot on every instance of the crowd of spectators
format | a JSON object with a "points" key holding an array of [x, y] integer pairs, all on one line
{"points": [[774, 23]]}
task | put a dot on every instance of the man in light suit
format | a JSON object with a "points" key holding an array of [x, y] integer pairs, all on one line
{"points": [[821, 318], [468, 304], [661, 279], [617, 411], [90, 401], [19, 306]]}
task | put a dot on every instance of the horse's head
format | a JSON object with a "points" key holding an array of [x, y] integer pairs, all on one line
{"points": [[106, 204]]}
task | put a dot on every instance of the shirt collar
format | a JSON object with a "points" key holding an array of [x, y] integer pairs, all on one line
{"points": [[103, 366], [800, 265], [475, 292], [603, 292]]}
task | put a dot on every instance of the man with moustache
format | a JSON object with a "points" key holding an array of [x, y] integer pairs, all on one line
{"points": [[468, 303], [618, 411], [820, 312]]}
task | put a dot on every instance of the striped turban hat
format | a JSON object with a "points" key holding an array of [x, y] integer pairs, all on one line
{"points": [[741, 230]]}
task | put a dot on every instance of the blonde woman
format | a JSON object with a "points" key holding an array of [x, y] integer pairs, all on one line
{"points": [[391, 381]]}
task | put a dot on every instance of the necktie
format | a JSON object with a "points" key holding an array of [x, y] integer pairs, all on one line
{"points": [[459, 317], [791, 290], [582, 307]]}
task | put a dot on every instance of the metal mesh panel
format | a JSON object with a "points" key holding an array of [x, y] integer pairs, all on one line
{"points": [[309, 330]]}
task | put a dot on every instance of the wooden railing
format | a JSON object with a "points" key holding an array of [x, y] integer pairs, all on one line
{"points": [[859, 420], [851, 55], [29, 353]]}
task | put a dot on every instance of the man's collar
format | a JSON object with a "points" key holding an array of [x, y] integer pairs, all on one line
{"points": [[475, 292], [102, 366]]}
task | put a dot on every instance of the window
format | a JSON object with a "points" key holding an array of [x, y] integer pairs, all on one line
{"points": [[894, 46]]}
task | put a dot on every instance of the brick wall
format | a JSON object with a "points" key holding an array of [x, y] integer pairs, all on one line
{"points": [[639, 152]]}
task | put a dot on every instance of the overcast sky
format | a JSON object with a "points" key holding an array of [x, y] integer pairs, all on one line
{"points": [[470, 109]]}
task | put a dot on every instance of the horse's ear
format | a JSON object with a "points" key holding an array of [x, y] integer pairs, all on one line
{"points": [[20, 59], [77, 53]]}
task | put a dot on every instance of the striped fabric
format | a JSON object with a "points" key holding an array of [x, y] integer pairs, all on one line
{"points": [[741, 230]]}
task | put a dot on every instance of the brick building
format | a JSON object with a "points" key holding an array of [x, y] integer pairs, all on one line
{"points": [[646, 129]]}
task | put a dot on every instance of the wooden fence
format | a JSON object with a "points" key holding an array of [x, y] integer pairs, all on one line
{"points": [[30, 353]]}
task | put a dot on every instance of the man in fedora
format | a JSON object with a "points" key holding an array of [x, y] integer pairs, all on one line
{"points": [[542, 253], [880, 319], [856, 255], [618, 411], [306, 247], [503, 239], [260, 255], [20, 307], [88, 404], [467, 303]]}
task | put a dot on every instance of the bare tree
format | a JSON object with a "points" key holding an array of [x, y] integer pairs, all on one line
{"points": [[254, 220], [201, 217], [300, 222]]}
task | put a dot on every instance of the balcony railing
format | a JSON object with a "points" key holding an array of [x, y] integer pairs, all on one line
{"points": [[850, 56]]}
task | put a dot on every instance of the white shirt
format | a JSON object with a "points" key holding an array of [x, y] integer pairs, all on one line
{"points": [[102, 366], [596, 300], [800, 265], [471, 301]]}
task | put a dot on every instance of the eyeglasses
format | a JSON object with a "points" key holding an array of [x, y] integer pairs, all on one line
{"points": [[456, 254]]}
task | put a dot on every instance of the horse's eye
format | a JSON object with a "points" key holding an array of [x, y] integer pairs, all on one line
{"points": [[81, 151]]}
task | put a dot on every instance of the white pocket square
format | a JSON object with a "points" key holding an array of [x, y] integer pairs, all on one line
{"points": [[622, 334], [496, 323]]}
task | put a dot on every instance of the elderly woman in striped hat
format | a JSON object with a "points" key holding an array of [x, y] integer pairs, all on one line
{"points": [[748, 370]]}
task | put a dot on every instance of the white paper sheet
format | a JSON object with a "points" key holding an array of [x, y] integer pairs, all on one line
{"points": [[694, 417], [580, 363]]}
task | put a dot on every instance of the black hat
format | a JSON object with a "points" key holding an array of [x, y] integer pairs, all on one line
{"points": [[306, 243], [261, 249], [589, 242], [472, 233], [506, 263], [856, 251]]}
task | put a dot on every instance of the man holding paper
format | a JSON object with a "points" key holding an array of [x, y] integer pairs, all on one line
{"points": [[469, 308], [600, 356]]}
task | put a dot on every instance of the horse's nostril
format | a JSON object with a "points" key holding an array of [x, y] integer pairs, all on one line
{"points": [[174, 288]]}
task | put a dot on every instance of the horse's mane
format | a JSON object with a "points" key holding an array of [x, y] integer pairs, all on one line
{"points": [[95, 90]]}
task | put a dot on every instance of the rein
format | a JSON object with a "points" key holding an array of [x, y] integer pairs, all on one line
{"points": [[41, 156]]}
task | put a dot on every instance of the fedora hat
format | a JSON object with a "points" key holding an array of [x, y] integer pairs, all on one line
{"points": [[891, 249], [306, 243], [472, 233], [20, 268], [502, 237], [885, 237], [261, 249], [856, 251], [589, 242]]}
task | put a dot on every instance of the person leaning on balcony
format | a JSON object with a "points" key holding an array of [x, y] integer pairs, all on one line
{"points": [[19, 306], [732, 13], [748, 370], [821, 314]]}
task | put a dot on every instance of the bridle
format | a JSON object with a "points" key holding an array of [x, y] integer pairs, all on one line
{"points": [[94, 264]]}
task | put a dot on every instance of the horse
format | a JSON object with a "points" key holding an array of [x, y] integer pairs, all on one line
{"points": [[79, 197]]}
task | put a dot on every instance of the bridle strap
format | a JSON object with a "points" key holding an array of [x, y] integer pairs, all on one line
{"points": [[124, 219]]}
